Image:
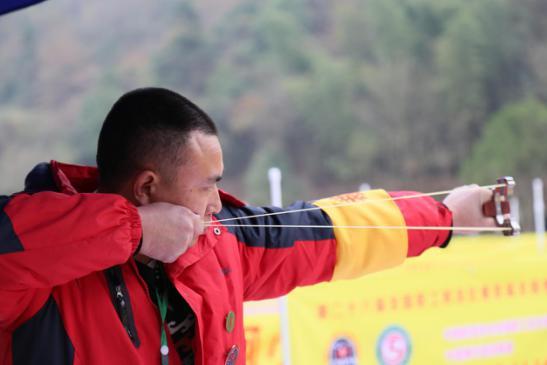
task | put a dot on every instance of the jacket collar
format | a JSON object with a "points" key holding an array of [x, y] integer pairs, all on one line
{"points": [[72, 179]]}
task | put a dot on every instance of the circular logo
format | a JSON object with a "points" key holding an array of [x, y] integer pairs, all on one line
{"points": [[342, 352], [230, 321], [231, 358], [393, 346]]}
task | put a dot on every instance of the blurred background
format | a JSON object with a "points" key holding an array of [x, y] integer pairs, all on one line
{"points": [[413, 94]]}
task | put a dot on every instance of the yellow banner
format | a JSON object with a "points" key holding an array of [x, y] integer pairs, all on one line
{"points": [[483, 300]]}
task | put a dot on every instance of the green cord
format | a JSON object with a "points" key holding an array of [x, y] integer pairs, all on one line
{"points": [[162, 305]]}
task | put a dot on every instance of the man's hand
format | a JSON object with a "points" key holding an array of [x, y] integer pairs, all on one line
{"points": [[466, 203], [168, 230]]}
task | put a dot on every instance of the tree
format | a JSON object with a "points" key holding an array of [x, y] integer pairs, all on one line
{"points": [[185, 62], [94, 110], [513, 143], [479, 69]]}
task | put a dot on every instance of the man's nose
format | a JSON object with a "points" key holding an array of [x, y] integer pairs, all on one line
{"points": [[216, 204]]}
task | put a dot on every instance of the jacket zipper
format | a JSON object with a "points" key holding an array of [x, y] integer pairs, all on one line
{"points": [[123, 311], [122, 303]]}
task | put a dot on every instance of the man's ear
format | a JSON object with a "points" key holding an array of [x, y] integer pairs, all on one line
{"points": [[145, 185]]}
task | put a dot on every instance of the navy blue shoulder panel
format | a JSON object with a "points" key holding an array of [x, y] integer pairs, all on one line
{"points": [[40, 179], [9, 242], [43, 339], [277, 237]]}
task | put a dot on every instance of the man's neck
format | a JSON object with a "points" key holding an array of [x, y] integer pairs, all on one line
{"points": [[122, 190]]}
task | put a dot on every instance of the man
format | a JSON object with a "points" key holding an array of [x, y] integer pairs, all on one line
{"points": [[77, 287]]}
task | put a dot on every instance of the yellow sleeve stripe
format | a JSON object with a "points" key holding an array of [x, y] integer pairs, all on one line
{"points": [[362, 251]]}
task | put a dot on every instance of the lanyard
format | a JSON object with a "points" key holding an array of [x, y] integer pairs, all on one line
{"points": [[162, 305]]}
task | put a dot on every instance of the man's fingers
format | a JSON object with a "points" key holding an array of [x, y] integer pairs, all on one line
{"points": [[466, 204], [486, 195], [168, 230], [488, 222], [199, 227]]}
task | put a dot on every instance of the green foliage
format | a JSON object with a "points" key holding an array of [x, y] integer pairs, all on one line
{"points": [[20, 68], [481, 66], [257, 186], [324, 121], [94, 110], [513, 144], [185, 63], [475, 61], [20, 150]]}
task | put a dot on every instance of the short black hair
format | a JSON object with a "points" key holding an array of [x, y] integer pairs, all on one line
{"points": [[147, 128]]}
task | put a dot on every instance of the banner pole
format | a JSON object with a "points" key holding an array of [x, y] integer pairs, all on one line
{"points": [[539, 212]]}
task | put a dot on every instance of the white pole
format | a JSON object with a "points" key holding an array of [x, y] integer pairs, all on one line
{"points": [[539, 211], [515, 209], [274, 176], [364, 187]]}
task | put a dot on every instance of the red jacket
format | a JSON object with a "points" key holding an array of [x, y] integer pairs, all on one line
{"points": [[70, 292]]}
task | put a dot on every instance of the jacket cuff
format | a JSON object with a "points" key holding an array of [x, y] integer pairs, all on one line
{"points": [[450, 233], [135, 227], [423, 211]]}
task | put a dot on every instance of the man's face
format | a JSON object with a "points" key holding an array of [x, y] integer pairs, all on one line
{"points": [[194, 185]]}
